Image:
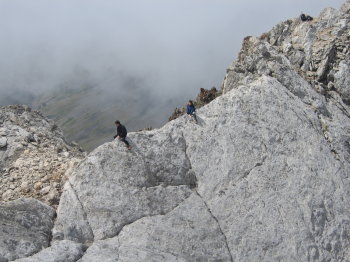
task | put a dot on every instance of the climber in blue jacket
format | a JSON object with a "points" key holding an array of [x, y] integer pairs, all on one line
{"points": [[191, 110]]}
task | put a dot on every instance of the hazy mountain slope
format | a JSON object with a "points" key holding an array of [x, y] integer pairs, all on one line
{"points": [[87, 113]]}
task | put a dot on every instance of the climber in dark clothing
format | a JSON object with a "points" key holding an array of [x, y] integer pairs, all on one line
{"points": [[121, 133], [191, 110], [304, 18]]}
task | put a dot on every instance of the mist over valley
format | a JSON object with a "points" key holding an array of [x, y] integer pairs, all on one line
{"points": [[87, 63]]}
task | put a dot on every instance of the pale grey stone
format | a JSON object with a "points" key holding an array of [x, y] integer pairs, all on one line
{"points": [[3, 142], [102, 250], [277, 190], [151, 179], [345, 8], [328, 14], [342, 81], [75, 226], [188, 233], [60, 251], [25, 228]]}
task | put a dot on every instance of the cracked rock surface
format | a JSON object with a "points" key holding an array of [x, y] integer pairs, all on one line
{"points": [[188, 233], [25, 228], [271, 178], [151, 179]]}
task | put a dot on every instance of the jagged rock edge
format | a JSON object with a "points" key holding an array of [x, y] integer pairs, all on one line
{"points": [[318, 113]]}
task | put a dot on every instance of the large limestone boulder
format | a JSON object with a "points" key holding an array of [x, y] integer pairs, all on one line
{"points": [[25, 228], [279, 190], [152, 179], [188, 233]]}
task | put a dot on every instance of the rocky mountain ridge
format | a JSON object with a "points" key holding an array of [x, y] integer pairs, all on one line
{"points": [[34, 156], [263, 176]]}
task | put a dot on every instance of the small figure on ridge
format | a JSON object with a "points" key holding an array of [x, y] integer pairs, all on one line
{"points": [[304, 17], [191, 110], [121, 133]]}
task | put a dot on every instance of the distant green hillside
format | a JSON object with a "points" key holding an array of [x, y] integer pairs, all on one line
{"points": [[87, 114]]}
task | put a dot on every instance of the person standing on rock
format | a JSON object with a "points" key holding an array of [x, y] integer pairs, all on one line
{"points": [[191, 110], [121, 133]]}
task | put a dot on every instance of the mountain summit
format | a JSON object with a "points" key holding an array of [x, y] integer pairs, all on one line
{"points": [[263, 176]]}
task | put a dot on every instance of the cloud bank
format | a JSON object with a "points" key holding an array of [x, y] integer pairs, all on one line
{"points": [[172, 48]]}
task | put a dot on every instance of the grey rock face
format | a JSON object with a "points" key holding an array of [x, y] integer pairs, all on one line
{"points": [[25, 228], [61, 251], [342, 81], [189, 231], [150, 180], [345, 7], [278, 191], [74, 226], [3, 142]]}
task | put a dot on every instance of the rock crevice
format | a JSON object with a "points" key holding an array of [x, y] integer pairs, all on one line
{"points": [[218, 223], [85, 216]]}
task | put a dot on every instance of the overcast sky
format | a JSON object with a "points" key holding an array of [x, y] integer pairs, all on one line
{"points": [[174, 46]]}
